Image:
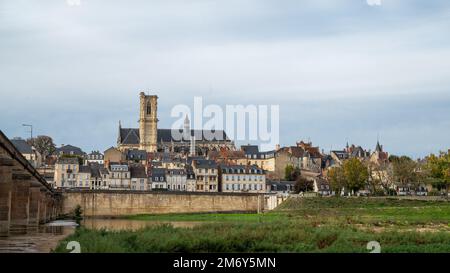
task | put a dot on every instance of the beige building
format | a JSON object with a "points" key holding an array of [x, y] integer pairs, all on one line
{"points": [[119, 177], [66, 173], [238, 178], [114, 155], [139, 178], [176, 179], [28, 151], [206, 175]]}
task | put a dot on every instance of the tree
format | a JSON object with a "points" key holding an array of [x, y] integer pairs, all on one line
{"points": [[291, 173], [336, 179], [356, 174], [379, 178], [438, 170], [43, 144], [404, 171], [303, 185]]}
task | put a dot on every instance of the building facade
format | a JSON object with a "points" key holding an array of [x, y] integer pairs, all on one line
{"points": [[238, 178]]}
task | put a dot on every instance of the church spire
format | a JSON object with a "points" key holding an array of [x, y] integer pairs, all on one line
{"points": [[187, 129]]}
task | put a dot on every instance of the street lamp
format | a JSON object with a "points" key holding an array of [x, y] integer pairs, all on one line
{"points": [[31, 129]]}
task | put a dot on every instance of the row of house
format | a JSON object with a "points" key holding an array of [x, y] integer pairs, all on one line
{"points": [[202, 176]]}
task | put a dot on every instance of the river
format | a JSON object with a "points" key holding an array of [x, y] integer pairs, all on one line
{"points": [[47, 236]]}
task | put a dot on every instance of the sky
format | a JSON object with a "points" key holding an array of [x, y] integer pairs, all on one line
{"points": [[341, 71]]}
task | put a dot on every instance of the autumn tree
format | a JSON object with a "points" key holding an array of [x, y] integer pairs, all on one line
{"points": [[43, 144], [303, 185], [438, 170], [356, 174], [336, 178], [404, 171], [291, 173]]}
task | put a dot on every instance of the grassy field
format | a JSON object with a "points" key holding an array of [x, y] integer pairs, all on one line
{"points": [[298, 225]]}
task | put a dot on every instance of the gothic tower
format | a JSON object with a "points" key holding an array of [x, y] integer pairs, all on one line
{"points": [[148, 123]]}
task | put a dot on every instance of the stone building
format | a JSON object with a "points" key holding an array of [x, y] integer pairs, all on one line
{"points": [[95, 157], [206, 174], [28, 151], [114, 155], [176, 179], [239, 178], [66, 172], [150, 138], [119, 177], [139, 178], [158, 179]]}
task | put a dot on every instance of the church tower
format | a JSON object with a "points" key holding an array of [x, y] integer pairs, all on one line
{"points": [[148, 123]]}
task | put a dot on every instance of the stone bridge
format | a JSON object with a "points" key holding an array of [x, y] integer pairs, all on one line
{"points": [[26, 199]]}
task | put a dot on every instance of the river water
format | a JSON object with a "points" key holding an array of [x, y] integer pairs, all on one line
{"points": [[46, 237]]}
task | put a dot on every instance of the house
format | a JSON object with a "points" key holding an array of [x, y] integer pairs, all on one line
{"points": [[119, 176], [239, 178], [69, 150], [158, 179], [137, 156], [264, 160], [176, 179], [113, 155], [66, 173], [28, 151], [322, 187], [139, 178], [191, 183], [206, 174], [379, 156], [280, 187], [95, 157]]}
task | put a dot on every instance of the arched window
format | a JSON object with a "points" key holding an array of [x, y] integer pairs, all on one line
{"points": [[149, 109]]}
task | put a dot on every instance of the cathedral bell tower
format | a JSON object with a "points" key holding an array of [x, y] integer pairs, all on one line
{"points": [[148, 123]]}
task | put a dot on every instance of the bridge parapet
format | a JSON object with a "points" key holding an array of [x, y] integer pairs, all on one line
{"points": [[26, 199]]}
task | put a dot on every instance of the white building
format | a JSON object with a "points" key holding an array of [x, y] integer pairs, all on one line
{"points": [[239, 178], [95, 157], [158, 179], [176, 179], [119, 177]]}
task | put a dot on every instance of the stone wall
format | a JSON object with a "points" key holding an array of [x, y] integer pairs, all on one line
{"points": [[120, 203]]}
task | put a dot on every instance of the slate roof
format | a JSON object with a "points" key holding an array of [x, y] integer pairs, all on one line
{"points": [[22, 146], [236, 169], [69, 149], [158, 172], [136, 154], [130, 136], [250, 149], [205, 164], [138, 171], [67, 160]]}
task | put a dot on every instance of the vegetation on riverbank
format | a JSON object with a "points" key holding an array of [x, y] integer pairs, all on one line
{"points": [[299, 225]]}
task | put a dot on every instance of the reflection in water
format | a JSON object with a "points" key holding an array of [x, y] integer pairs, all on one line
{"points": [[125, 224], [46, 237], [43, 239]]}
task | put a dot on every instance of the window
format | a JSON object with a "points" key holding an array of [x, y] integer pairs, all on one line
{"points": [[149, 109]]}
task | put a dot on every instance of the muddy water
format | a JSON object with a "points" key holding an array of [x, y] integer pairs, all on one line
{"points": [[124, 224], [46, 237], [42, 240]]}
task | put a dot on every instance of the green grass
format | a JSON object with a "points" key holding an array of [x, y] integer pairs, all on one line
{"points": [[298, 225], [205, 217]]}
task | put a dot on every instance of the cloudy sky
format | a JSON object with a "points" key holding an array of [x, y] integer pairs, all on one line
{"points": [[340, 70]]}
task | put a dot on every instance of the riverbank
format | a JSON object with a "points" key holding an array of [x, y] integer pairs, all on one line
{"points": [[298, 225]]}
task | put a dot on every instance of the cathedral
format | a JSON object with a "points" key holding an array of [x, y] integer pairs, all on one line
{"points": [[150, 138]]}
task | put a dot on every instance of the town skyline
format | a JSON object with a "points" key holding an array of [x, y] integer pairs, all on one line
{"points": [[340, 72]]}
